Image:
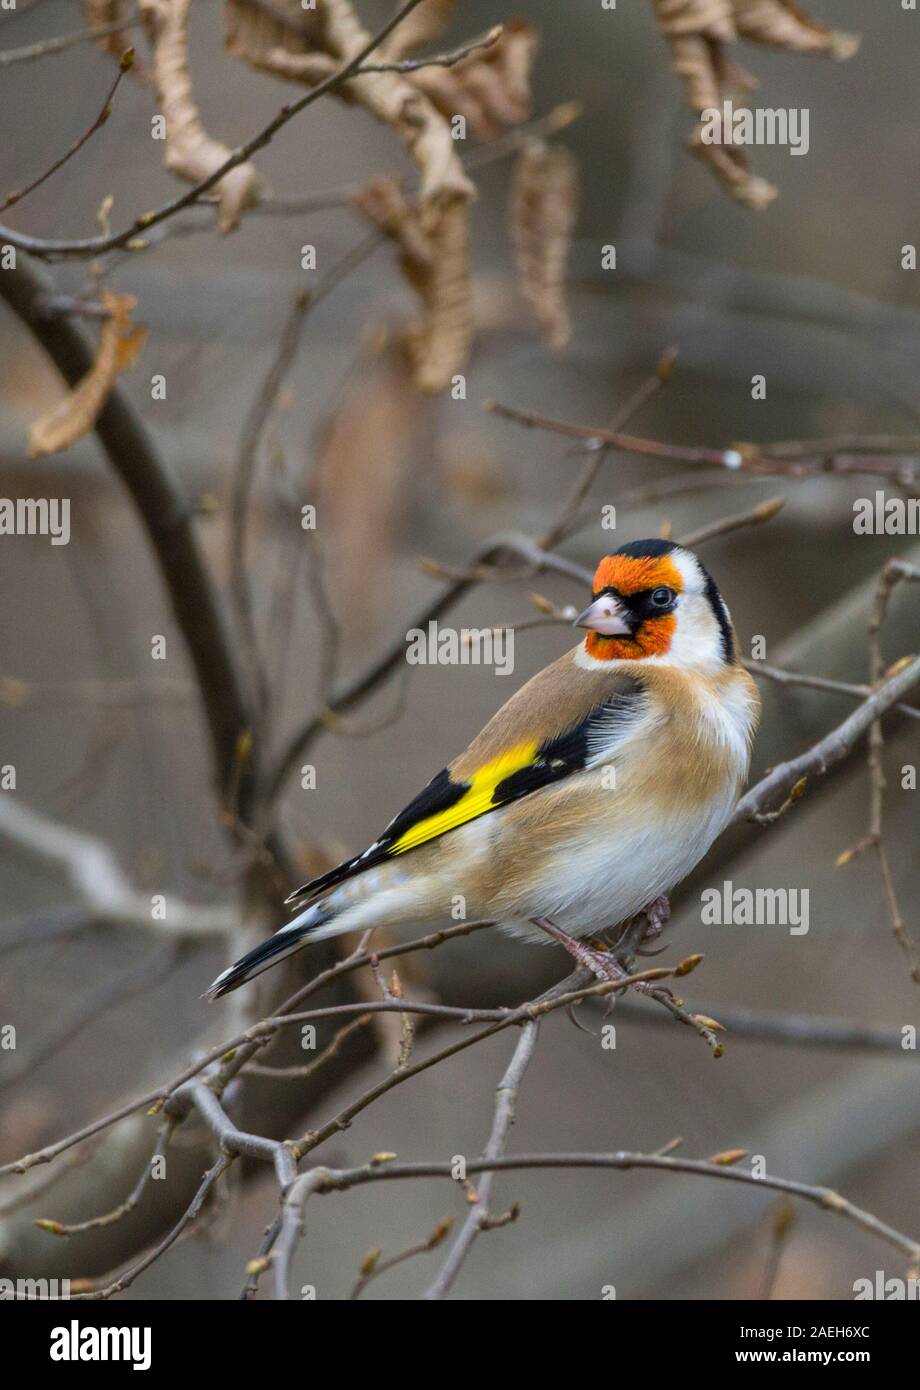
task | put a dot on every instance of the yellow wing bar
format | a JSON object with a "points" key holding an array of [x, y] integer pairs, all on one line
{"points": [[475, 801]]}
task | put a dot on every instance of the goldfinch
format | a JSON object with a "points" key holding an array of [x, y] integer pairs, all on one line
{"points": [[588, 796]]}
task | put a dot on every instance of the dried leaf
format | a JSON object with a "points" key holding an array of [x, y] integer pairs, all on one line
{"points": [[433, 242], [786, 25], [544, 206], [698, 30], [362, 453], [490, 87], [119, 343], [305, 46], [421, 26], [191, 153], [279, 39]]}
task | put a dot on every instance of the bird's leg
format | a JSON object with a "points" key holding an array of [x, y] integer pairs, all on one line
{"points": [[603, 964], [657, 915]]}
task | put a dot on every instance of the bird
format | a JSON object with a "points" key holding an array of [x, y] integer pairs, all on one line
{"points": [[594, 790]]}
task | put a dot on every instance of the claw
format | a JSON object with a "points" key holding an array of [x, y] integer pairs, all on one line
{"points": [[570, 1010]]}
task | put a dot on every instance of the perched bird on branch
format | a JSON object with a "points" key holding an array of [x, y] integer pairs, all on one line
{"points": [[590, 794]]}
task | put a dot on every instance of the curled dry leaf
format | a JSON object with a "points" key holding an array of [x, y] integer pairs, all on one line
{"points": [[191, 153], [697, 32], [544, 206], [490, 87], [786, 25], [281, 38], [119, 343], [421, 26], [433, 241], [362, 453], [306, 46]]}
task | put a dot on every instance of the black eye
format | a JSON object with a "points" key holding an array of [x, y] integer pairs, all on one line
{"points": [[662, 598]]}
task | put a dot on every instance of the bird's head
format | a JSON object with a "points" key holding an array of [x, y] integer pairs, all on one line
{"points": [[654, 599]]}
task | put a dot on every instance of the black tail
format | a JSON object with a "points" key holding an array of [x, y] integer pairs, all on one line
{"points": [[284, 943]]}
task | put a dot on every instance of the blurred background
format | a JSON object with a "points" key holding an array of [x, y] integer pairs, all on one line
{"points": [[810, 293]]}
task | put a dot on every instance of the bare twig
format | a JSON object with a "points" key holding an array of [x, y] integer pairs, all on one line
{"points": [[438, 60], [758, 460], [373, 1266], [109, 1218], [770, 791], [167, 518], [505, 1103], [133, 235], [243, 473], [615, 439], [894, 573], [781, 676], [96, 876], [826, 1198], [61, 42], [191, 1214], [100, 120]]}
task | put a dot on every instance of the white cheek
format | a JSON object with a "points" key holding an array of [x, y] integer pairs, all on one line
{"points": [[697, 641]]}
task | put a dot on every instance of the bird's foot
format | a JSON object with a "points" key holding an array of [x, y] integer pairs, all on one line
{"points": [[602, 963], [657, 915]]}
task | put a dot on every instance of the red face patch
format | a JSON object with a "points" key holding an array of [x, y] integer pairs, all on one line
{"points": [[630, 575], [653, 638]]}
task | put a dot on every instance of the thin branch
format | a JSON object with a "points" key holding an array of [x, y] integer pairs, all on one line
{"points": [[723, 526], [244, 470], [61, 42], [792, 1030], [95, 875], [372, 1266], [167, 517], [241, 1047], [894, 573], [477, 1220], [132, 236], [758, 460], [439, 60], [124, 66], [770, 791], [842, 443], [109, 1218], [615, 439], [566, 522], [332, 1180], [781, 676], [191, 1214]]}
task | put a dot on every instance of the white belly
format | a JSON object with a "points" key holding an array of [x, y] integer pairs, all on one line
{"points": [[594, 883]]}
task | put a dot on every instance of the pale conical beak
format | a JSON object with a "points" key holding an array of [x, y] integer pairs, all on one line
{"points": [[605, 615]]}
